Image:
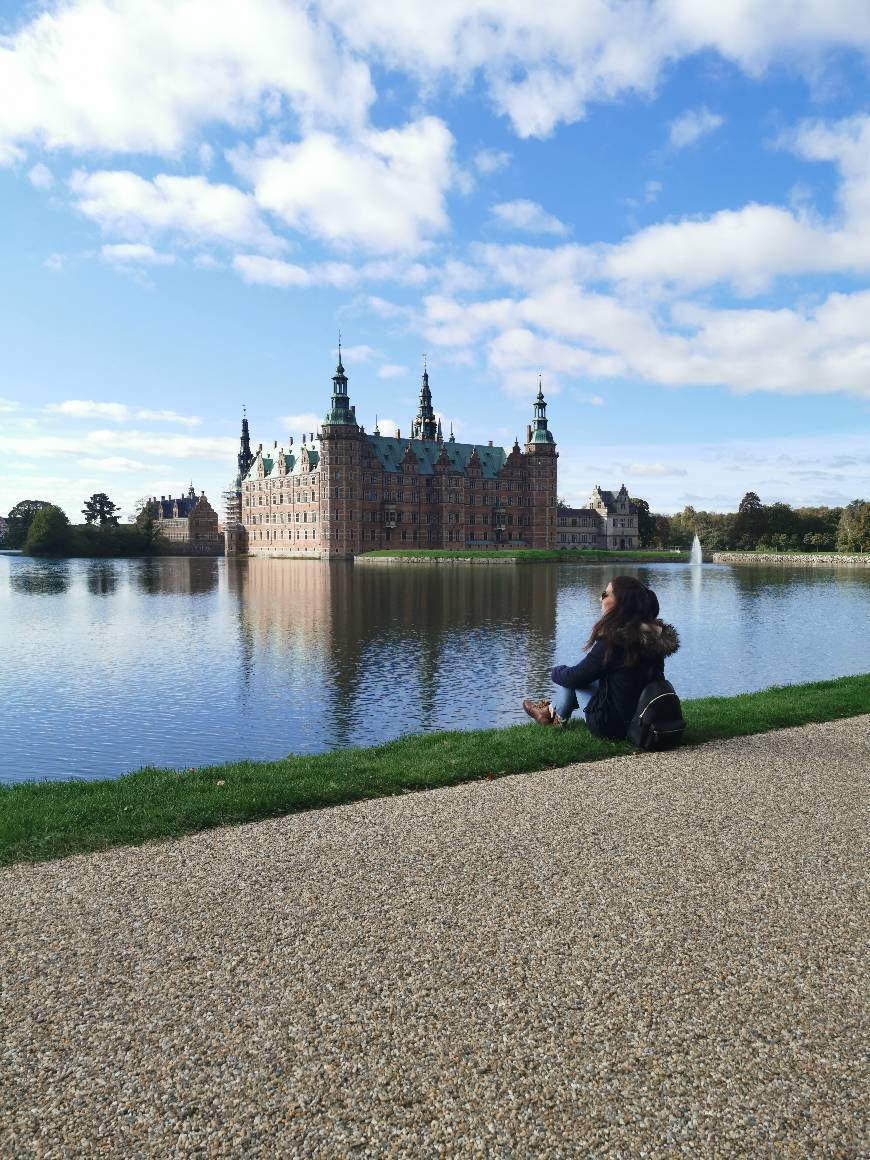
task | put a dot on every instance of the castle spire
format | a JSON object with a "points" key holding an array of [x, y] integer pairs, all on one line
{"points": [[341, 411], [540, 431], [245, 458], [424, 424]]}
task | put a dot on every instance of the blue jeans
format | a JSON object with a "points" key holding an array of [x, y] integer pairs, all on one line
{"points": [[565, 701]]}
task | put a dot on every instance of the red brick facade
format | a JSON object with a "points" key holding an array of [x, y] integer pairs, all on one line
{"points": [[344, 491]]}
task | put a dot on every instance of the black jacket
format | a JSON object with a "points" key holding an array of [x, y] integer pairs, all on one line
{"points": [[615, 700]]}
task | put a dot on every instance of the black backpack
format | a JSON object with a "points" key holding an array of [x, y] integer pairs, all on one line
{"points": [[658, 719]]}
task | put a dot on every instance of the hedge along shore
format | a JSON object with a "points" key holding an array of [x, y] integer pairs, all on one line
{"points": [[44, 820], [794, 559]]}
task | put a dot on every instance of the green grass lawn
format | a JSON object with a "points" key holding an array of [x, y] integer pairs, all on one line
{"points": [[40, 820], [566, 555]]}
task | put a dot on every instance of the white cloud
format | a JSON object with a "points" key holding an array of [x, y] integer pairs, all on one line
{"points": [[40, 176], [746, 248], [116, 464], [392, 371], [387, 427], [135, 253], [592, 400], [544, 63], [652, 469], [358, 354], [118, 412], [307, 421], [692, 125], [120, 75], [158, 444], [169, 417], [126, 205], [383, 192], [389, 310], [821, 348], [88, 409], [528, 216], [487, 161], [258, 270], [7, 406], [55, 263]]}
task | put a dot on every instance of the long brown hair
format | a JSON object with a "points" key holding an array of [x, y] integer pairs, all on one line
{"points": [[634, 605]]}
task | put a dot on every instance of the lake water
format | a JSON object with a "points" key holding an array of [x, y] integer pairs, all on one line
{"points": [[109, 665]]}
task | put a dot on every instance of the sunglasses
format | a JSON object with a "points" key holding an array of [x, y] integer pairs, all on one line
{"points": [[605, 594]]}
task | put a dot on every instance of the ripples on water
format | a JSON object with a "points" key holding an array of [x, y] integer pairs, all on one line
{"points": [[109, 665]]}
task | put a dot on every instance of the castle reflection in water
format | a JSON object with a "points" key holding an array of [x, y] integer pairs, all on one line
{"points": [[397, 639]]}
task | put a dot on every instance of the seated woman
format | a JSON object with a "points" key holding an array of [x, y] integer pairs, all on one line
{"points": [[626, 649]]}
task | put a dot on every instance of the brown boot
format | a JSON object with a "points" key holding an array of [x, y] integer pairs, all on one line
{"points": [[539, 711]]}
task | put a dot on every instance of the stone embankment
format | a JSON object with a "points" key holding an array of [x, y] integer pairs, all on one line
{"points": [[521, 558], [794, 559]]}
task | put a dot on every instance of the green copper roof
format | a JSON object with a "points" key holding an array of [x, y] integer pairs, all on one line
{"points": [[390, 452], [292, 460]]}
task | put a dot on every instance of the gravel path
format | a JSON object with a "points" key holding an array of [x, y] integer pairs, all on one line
{"points": [[648, 956]]}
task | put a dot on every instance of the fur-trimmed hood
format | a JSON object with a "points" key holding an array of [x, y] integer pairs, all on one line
{"points": [[655, 637]]}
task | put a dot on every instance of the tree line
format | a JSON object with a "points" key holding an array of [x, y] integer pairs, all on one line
{"points": [[40, 528], [760, 527]]}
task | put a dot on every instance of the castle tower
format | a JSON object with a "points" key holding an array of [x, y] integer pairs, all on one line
{"points": [[425, 426], [542, 455], [340, 457], [341, 412]]}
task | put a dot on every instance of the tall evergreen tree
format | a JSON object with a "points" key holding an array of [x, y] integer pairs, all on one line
{"points": [[749, 524], [99, 509]]}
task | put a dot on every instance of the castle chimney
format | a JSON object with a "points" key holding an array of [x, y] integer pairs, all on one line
{"points": [[398, 433], [291, 440], [274, 444], [489, 444], [529, 433]]}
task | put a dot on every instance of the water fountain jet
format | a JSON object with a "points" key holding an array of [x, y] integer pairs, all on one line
{"points": [[696, 558]]}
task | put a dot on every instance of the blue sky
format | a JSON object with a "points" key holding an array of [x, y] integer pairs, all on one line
{"points": [[662, 210]]}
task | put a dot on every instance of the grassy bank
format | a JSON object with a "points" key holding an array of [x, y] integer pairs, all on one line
{"points": [[522, 555], [51, 819]]}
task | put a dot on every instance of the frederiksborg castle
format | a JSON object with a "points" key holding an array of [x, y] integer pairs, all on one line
{"points": [[343, 491]]}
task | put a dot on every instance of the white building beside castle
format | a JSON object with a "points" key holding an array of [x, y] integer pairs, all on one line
{"points": [[608, 522]]}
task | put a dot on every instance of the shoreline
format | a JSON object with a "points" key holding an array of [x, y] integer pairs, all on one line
{"points": [[794, 559], [526, 556], [42, 820]]}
